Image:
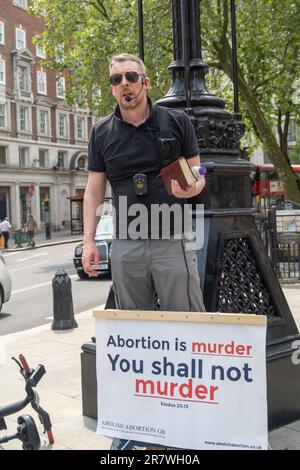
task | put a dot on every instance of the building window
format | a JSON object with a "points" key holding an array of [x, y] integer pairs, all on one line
{"points": [[20, 3], [43, 158], [80, 128], [20, 38], [96, 95], [23, 78], [1, 32], [40, 52], [81, 163], [2, 71], [2, 155], [60, 55], [23, 157], [60, 87], [61, 159], [42, 83], [62, 125], [44, 128], [24, 121], [3, 115]]}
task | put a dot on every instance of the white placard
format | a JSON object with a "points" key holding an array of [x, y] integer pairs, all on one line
{"points": [[184, 385]]}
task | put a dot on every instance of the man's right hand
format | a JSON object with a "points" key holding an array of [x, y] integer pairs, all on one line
{"points": [[90, 259]]}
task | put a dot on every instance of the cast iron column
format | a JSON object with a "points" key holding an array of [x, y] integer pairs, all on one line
{"points": [[141, 29], [235, 270]]}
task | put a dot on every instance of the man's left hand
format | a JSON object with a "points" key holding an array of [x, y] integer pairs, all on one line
{"points": [[191, 191]]}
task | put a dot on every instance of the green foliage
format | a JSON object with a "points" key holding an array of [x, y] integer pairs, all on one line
{"points": [[84, 34], [268, 36]]}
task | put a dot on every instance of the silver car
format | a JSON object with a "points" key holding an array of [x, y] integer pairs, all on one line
{"points": [[5, 283]]}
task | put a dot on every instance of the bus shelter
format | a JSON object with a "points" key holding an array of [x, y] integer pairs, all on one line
{"points": [[76, 214]]}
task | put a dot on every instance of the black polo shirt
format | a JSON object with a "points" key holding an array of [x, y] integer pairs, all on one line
{"points": [[121, 150]]}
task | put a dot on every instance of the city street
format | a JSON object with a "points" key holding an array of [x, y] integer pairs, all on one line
{"points": [[145, 132], [32, 272]]}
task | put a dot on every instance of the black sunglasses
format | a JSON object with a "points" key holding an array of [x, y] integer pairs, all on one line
{"points": [[131, 77]]}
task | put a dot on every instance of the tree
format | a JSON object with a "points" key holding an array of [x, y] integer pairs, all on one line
{"points": [[89, 32], [268, 66], [81, 35]]}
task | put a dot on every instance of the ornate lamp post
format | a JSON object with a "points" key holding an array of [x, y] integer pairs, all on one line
{"points": [[141, 29], [237, 275], [234, 58], [215, 126]]}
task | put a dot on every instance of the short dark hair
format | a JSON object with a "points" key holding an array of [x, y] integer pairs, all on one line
{"points": [[127, 57]]}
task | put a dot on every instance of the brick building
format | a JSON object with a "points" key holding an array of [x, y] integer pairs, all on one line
{"points": [[43, 142]]}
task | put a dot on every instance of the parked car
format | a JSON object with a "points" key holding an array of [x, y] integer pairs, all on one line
{"points": [[103, 239], [5, 283]]}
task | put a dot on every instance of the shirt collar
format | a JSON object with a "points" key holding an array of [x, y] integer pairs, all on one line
{"points": [[117, 112]]}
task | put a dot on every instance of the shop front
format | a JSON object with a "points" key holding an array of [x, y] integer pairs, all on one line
{"points": [[4, 202]]}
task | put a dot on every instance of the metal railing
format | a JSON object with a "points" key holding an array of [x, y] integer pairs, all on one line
{"points": [[280, 232]]}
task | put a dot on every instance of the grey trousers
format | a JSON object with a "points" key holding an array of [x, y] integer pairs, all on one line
{"points": [[168, 267]]}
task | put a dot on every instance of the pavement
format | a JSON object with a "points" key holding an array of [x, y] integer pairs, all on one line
{"points": [[60, 388], [57, 237]]}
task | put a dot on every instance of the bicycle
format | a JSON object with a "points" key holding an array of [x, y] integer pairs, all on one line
{"points": [[27, 431]]}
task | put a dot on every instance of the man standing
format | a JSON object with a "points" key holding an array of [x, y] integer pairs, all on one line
{"points": [[5, 228], [129, 148], [122, 147]]}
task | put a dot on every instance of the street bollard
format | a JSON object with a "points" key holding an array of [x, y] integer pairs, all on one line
{"points": [[63, 311]]}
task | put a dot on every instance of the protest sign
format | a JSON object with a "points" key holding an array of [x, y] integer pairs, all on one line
{"points": [[185, 380]]}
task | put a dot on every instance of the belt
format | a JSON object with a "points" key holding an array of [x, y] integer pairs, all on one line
{"points": [[149, 174]]}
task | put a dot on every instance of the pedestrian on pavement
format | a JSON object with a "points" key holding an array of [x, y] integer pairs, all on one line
{"points": [[31, 229], [129, 148], [5, 229]]}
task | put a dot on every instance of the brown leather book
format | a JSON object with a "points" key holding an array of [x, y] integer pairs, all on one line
{"points": [[180, 171]]}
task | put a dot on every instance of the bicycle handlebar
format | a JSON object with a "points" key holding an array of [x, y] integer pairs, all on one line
{"points": [[24, 363], [13, 407], [32, 378]]}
